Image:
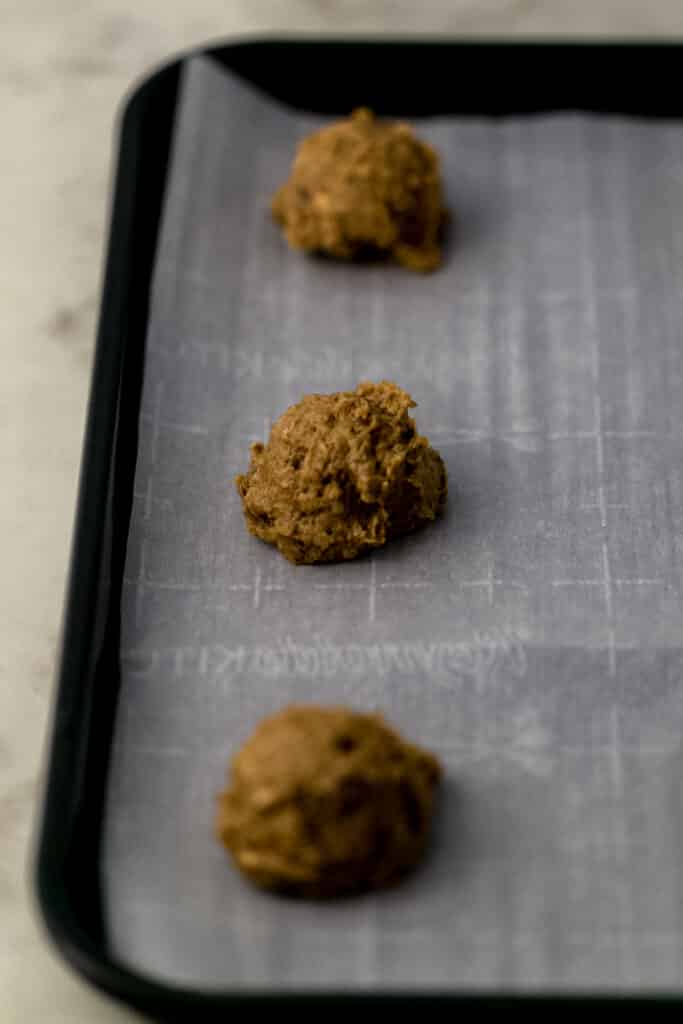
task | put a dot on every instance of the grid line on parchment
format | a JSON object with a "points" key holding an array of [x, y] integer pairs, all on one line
{"points": [[629, 960], [473, 300], [486, 582], [474, 436], [140, 582], [587, 272], [156, 421]]}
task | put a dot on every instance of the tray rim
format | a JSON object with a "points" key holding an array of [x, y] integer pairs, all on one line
{"points": [[68, 745]]}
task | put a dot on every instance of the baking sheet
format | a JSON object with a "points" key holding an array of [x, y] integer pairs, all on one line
{"points": [[532, 637]]}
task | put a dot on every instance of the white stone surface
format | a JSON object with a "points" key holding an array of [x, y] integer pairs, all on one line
{"points": [[64, 65]]}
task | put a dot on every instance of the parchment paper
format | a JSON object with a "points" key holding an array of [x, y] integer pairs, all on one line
{"points": [[532, 638]]}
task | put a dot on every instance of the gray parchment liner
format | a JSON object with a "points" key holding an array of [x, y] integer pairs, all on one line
{"points": [[532, 638]]}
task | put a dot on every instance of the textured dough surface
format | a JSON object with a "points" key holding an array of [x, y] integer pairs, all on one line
{"points": [[327, 802], [342, 474], [361, 186]]}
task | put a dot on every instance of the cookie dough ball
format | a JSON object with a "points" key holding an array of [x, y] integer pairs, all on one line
{"points": [[342, 474], [327, 802], [363, 186]]}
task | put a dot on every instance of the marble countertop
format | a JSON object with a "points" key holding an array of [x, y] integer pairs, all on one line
{"points": [[63, 70]]}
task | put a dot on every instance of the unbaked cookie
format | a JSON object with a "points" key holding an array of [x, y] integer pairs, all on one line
{"points": [[342, 474], [364, 186], [327, 802]]}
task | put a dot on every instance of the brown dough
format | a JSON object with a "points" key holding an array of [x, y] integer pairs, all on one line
{"points": [[326, 802], [342, 474], [362, 186]]}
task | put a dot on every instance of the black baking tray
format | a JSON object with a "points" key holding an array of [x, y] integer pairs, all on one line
{"points": [[403, 78]]}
